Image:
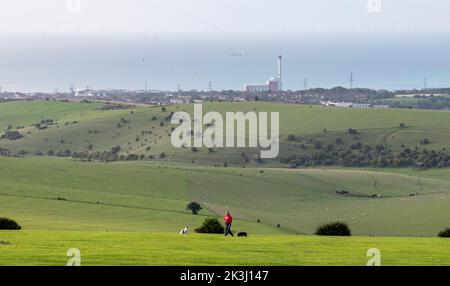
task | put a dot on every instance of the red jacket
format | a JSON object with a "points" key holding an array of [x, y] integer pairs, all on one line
{"points": [[228, 219]]}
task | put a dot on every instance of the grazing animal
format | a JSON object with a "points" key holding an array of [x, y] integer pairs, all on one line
{"points": [[184, 231], [242, 234]]}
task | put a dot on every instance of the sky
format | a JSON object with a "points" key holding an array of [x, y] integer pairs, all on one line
{"points": [[222, 16], [124, 43]]}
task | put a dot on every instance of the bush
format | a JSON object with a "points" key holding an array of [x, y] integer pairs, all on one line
{"points": [[291, 137], [211, 225], [334, 228], [444, 233], [115, 150], [9, 224], [11, 135]]}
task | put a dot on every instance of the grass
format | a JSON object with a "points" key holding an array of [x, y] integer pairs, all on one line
{"points": [[102, 248], [61, 194], [373, 126], [50, 193]]}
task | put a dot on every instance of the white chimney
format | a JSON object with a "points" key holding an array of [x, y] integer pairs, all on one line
{"points": [[279, 73]]}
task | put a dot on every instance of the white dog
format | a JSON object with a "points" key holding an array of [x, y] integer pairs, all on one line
{"points": [[184, 231]]}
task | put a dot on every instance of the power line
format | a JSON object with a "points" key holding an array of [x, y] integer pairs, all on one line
{"points": [[351, 80]]}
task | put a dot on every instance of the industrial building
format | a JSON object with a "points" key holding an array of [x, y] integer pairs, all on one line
{"points": [[272, 85], [352, 105]]}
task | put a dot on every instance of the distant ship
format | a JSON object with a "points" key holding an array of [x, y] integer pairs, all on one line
{"points": [[238, 54]]}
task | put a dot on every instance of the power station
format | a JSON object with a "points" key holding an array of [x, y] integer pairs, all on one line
{"points": [[272, 85]]}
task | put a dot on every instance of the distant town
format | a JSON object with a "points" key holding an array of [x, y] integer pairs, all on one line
{"points": [[270, 90]]}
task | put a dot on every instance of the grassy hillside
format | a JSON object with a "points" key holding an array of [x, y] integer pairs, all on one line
{"points": [[63, 202], [102, 248], [62, 194], [145, 130], [59, 194]]}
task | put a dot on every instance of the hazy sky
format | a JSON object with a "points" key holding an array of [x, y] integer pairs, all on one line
{"points": [[203, 16]]}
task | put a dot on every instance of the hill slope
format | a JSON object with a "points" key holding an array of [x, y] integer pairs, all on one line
{"points": [[91, 127], [61, 194]]}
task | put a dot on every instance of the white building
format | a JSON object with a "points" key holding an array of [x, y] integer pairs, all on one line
{"points": [[336, 104], [179, 100], [381, 106], [360, 105], [352, 105]]}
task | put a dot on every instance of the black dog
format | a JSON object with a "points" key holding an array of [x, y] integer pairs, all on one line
{"points": [[242, 234]]}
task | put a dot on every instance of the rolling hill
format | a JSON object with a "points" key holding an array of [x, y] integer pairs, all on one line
{"points": [[90, 127], [62, 194], [150, 194]]}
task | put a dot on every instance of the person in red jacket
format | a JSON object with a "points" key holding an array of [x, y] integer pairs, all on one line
{"points": [[228, 219]]}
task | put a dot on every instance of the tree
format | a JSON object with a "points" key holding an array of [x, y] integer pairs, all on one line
{"points": [[194, 207]]}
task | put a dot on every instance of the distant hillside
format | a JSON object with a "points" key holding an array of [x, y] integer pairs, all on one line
{"points": [[310, 135]]}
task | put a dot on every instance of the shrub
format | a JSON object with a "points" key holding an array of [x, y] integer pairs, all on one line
{"points": [[444, 233], [318, 145], [211, 225], [334, 228], [352, 131], [9, 224], [115, 150], [194, 207], [11, 135]]}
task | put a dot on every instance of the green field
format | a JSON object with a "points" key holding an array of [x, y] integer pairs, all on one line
{"points": [[62, 194], [97, 207], [102, 248]]}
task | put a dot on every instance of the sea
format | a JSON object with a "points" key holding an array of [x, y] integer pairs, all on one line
{"points": [[34, 62]]}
